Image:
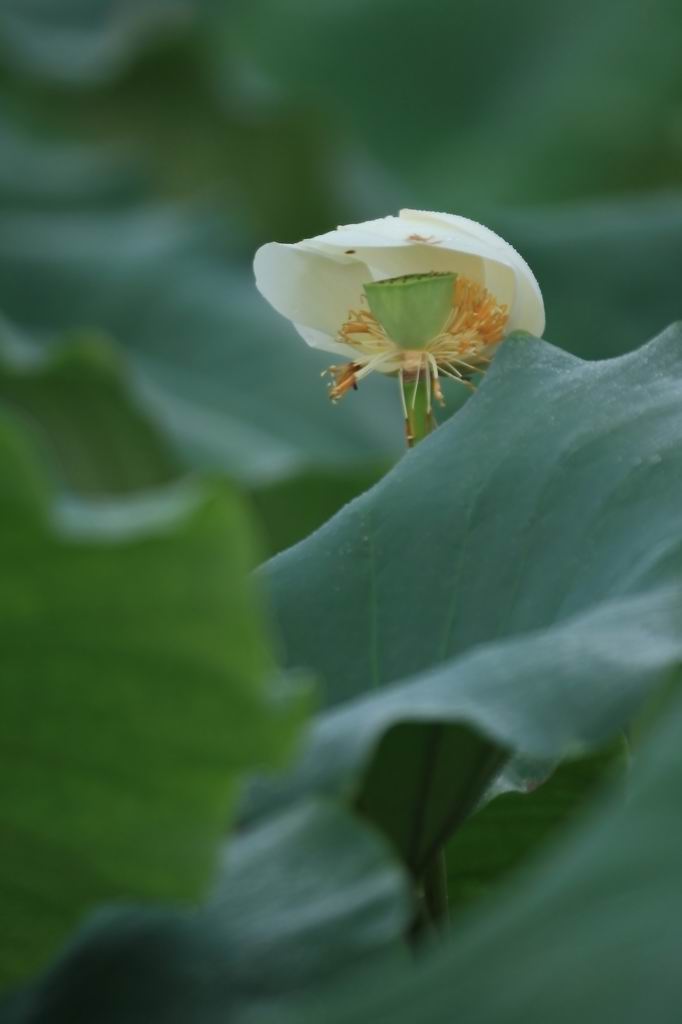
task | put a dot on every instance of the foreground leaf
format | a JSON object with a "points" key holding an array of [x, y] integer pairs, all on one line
{"points": [[133, 692], [512, 585], [302, 898]]}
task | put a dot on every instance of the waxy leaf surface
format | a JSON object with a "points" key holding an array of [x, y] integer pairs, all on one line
{"points": [[512, 585]]}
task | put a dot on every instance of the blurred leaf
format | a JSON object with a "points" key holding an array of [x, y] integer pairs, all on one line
{"points": [[511, 585], [306, 893], [300, 899], [78, 174], [133, 694], [82, 41], [76, 400], [292, 509], [541, 104], [137, 78], [489, 103], [609, 271], [590, 934]]}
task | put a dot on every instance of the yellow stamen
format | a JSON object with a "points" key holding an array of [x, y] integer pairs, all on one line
{"points": [[477, 317], [343, 379]]}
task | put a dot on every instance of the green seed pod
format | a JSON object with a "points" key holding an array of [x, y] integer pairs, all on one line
{"points": [[412, 309]]}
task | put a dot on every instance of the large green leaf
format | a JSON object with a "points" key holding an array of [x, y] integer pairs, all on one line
{"points": [[511, 585], [300, 899], [134, 691], [591, 933]]}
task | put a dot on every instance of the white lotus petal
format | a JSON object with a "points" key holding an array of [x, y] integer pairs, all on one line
{"points": [[312, 290], [371, 233], [404, 233], [452, 224], [528, 312]]}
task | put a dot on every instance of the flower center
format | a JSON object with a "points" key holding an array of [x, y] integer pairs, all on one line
{"points": [[422, 323], [412, 309], [447, 315]]}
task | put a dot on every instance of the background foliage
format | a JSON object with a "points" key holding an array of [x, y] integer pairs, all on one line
{"points": [[504, 601]]}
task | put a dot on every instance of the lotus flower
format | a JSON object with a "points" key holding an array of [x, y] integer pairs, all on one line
{"points": [[418, 296]]}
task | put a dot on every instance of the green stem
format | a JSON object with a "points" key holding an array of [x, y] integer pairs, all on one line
{"points": [[432, 916], [420, 420], [436, 891]]}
